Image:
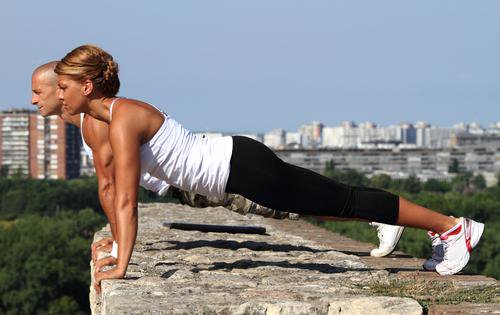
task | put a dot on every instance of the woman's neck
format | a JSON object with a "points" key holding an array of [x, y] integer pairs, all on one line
{"points": [[99, 108]]}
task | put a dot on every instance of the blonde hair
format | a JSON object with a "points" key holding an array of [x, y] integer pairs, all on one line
{"points": [[90, 62]]}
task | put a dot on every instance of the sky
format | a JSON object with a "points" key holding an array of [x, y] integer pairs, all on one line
{"points": [[253, 66]]}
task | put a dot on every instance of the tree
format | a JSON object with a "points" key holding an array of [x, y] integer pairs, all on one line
{"points": [[461, 183], [4, 170], [454, 167], [411, 185], [351, 177], [329, 169], [19, 173], [382, 181], [45, 263], [478, 182], [13, 204], [437, 186]]}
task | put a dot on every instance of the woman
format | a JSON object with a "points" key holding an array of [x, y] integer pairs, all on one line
{"points": [[144, 138]]}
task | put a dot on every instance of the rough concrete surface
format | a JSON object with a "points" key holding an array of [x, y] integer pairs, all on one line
{"points": [[190, 272]]}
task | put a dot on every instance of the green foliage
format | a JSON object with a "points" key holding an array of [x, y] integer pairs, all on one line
{"points": [[410, 185], [64, 305], [47, 197], [348, 176], [382, 181], [46, 228], [454, 167], [329, 169], [45, 263], [478, 182], [435, 185]]}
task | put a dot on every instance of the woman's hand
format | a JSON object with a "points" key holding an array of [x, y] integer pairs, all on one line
{"points": [[103, 245], [114, 273], [106, 261]]}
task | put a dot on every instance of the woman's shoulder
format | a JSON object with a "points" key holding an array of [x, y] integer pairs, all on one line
{"points": [[136, 117], [134, 107]]}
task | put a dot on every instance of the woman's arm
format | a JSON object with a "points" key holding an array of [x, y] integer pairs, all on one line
{"points": [[131, 124], [125, 142]]}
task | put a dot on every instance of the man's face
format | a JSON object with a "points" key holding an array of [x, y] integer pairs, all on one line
{"points": [[44, 95]]}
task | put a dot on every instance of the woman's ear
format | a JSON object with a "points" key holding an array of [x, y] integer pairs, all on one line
{"points": [[88, 87]]}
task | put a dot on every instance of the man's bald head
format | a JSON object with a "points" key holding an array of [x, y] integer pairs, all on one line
{"points": [[46, 72], [44, 87]]}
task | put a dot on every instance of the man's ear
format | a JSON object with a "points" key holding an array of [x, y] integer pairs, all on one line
{"points": [[88, 87]]}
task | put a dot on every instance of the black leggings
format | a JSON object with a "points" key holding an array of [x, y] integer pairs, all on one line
{"points": [[259, 175]]}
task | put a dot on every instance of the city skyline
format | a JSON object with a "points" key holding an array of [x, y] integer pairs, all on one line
{"points": [[261, 65], [46, 147], [492, 124]]}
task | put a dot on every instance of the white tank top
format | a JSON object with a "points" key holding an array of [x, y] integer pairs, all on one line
{"points": [[187, 161], [85, 146], [145, 180]]}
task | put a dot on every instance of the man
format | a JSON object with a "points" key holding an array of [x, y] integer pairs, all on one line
{"points": [[96, 142]]}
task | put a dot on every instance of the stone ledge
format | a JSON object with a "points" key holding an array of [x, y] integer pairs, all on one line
{"points": [[464, 308], [190, 272]]}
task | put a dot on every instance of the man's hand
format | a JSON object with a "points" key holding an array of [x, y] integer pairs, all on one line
{"points": [[114, 273], [103, 245]]}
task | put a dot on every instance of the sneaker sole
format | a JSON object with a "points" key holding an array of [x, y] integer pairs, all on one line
{"points": [[431, 269]]}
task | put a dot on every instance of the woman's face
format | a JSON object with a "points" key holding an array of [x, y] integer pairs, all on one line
{"points": [[72, 95]]}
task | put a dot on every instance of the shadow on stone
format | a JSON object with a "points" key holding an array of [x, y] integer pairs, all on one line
{"points": [[355, 253], [396, 270], [247, 264], [131, 278], [234, 245], [366, 254], [165, 264], [169, 273]]}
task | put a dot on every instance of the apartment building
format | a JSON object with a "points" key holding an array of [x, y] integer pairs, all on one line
{"points": [[400, 163], [38, 147]]}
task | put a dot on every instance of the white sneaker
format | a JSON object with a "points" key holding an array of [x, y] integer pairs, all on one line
{"points": [[437, 252], [458, 242], [388, 236]]}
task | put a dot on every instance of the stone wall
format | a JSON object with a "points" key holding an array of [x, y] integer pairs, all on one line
{"points": [[190, 272]]}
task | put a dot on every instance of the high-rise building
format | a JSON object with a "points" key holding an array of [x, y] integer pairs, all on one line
{"points": [[294, 140], [38, 147], [275, 139], [312, 134], [408, 133], [15, 153]]}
